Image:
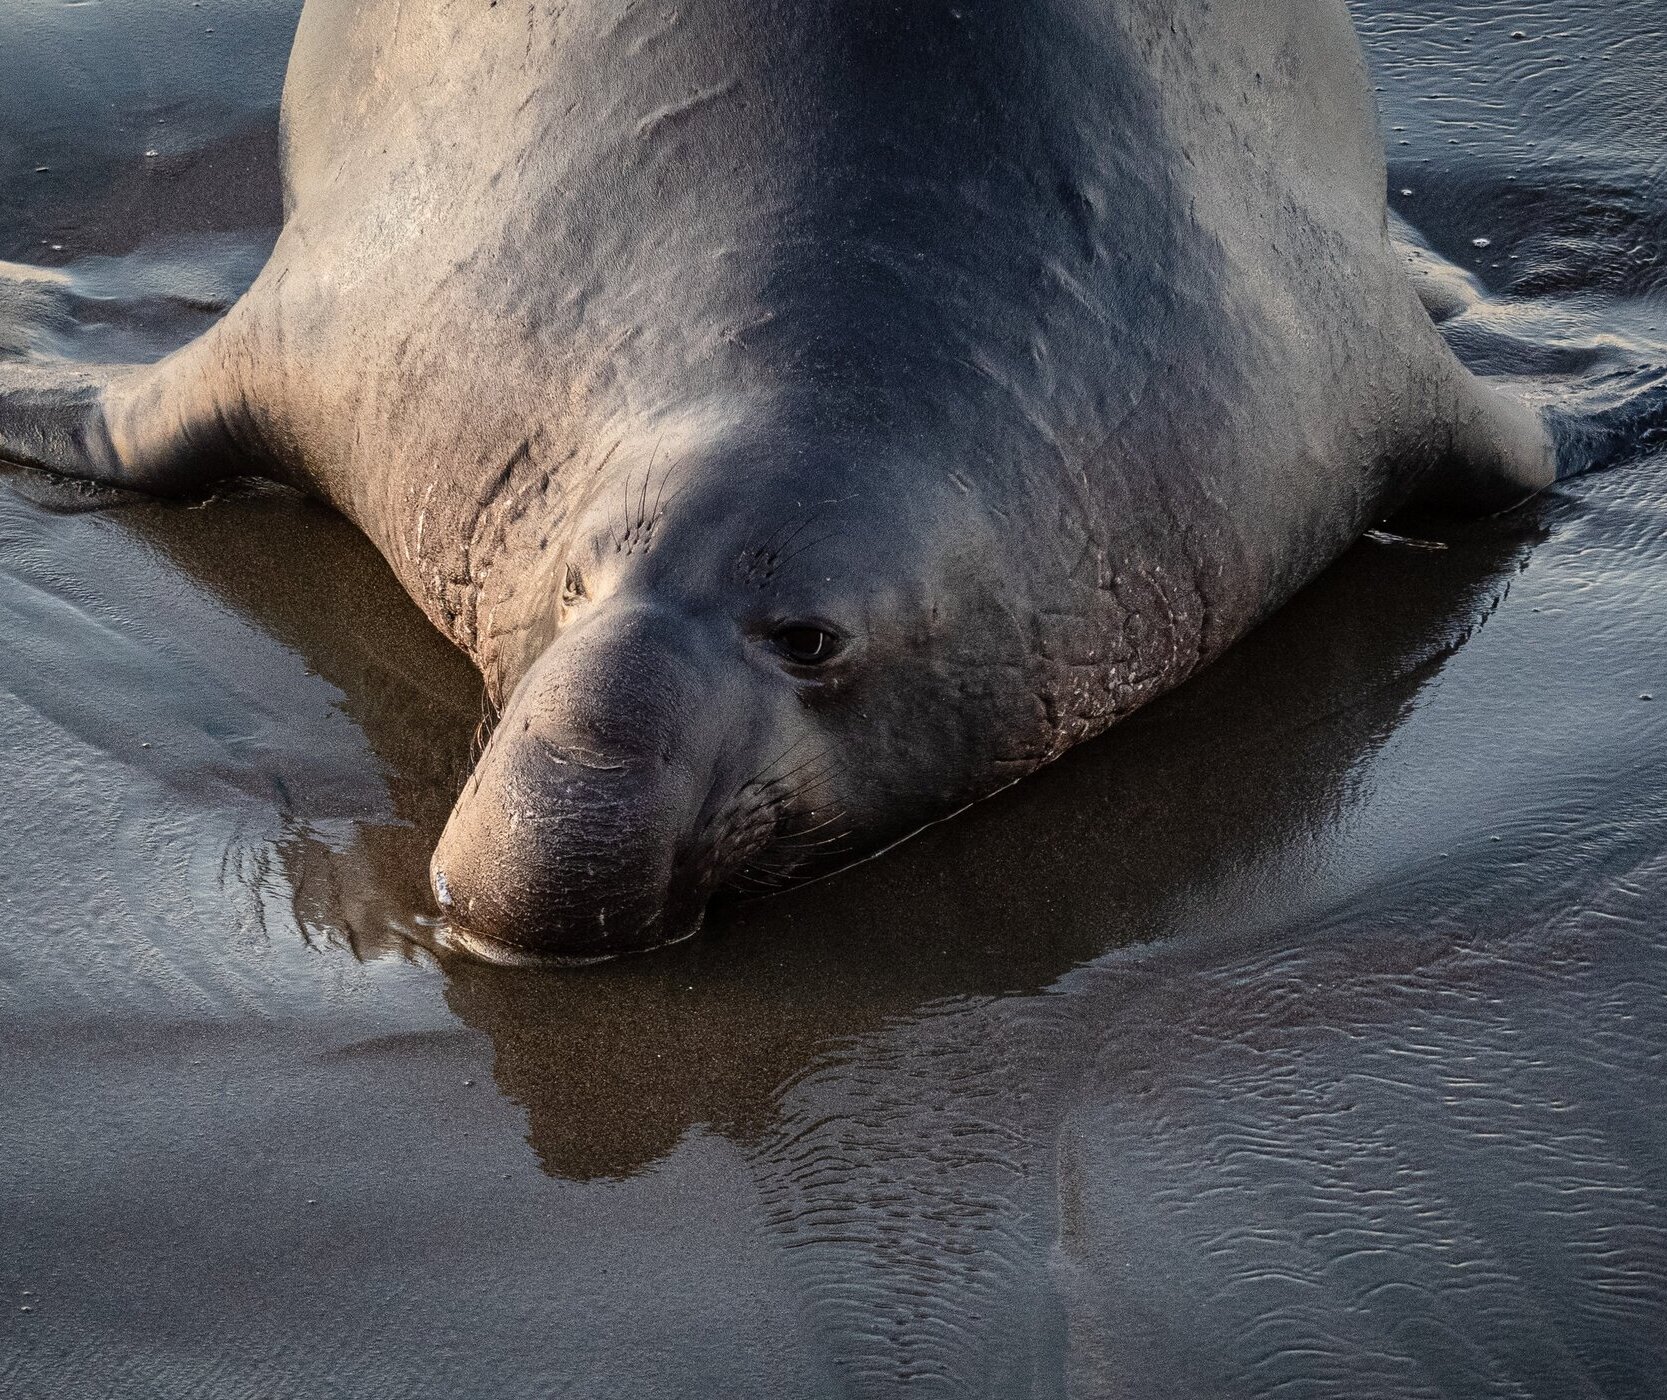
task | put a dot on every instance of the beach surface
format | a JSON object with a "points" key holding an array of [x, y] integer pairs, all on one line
{"points": [[1306, 1036]]}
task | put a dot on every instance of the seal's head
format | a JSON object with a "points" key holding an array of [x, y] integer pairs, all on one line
{"points": [[751, 670]]}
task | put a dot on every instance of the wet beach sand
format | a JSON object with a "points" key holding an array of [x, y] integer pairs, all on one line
{"points": [[1307, 1036]]}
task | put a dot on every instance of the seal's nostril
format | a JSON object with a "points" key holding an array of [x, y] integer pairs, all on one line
{"points": [[442, 891]]}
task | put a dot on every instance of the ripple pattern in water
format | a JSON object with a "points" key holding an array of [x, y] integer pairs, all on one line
{"points": [[1305, 1038]]}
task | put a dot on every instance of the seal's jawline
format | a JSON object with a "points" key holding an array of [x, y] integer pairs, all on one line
{"points": [[453, 938]]}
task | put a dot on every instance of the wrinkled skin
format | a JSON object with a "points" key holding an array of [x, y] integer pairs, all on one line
{"points": [[660, 743], [810, 417]]}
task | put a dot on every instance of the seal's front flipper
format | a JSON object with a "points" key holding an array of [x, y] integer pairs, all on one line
{"points": [[1501, 451], [1490, 452], [165, 428]]}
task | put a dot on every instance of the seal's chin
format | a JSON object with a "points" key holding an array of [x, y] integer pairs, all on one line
{"points": [[494, 912], [450, 936]]}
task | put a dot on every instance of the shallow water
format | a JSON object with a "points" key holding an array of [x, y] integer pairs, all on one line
{"points": [[1306, 1036]]}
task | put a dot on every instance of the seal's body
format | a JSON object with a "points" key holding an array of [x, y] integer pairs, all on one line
{"points": [[810, 416]]}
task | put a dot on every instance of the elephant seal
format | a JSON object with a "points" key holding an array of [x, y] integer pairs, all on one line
{"points": [[810, 417]]}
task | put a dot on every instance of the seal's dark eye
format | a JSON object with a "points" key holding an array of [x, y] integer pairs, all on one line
{"points": [[806, 645], [572, 586]]}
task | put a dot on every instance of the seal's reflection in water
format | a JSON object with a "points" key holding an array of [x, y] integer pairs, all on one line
{"points": [[1245, 768]]}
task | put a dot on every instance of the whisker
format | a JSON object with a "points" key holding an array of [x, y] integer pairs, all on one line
{"points": [[786, 875], [757, 881], [825, 756], [775, 542], [758, 777], [836, 825], [484, 727], [786, 559], [825, 846], [660, 495], [793, 836]]}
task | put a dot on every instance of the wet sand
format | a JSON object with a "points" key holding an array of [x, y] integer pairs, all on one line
{"points": [[1305, 1036]]}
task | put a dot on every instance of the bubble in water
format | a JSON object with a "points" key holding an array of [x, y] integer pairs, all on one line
{"points": [[1481, 243]]}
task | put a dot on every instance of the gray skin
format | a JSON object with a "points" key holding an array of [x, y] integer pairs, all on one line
{"points": [[1013, 358]]}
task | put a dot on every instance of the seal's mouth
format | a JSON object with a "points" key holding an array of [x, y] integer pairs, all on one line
{"points": [[603, 873], [524, 905], [449, 936]]}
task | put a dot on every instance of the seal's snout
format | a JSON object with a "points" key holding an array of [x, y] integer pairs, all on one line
{"points": [[551, 857], [576, 835]]}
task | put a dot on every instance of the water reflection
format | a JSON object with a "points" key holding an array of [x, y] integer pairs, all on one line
{"points": [[1251, 765], [1407, 1141]]}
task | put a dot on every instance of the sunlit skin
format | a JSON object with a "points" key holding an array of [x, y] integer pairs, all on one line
{"points": [[810, 418]]}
